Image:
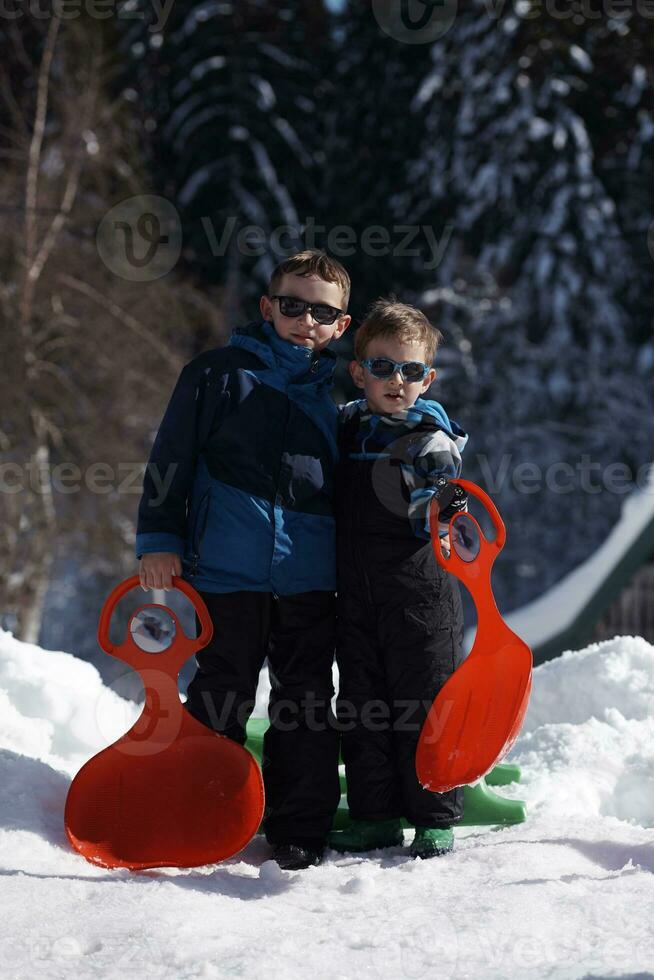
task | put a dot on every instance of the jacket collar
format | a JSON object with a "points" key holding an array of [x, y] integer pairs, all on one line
{"points": [[425, 410], [298, 363]]}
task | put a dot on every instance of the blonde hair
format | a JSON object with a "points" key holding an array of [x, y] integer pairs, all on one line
{"points": [[312, 262], [386, 317]]}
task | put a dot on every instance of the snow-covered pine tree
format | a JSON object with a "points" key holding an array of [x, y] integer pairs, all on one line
{"points": [[376, 135], [236, 92], [539, 145]]}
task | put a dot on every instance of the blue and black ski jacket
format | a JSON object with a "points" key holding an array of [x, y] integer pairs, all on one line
{"points": [[240, 478], [401, 454]]}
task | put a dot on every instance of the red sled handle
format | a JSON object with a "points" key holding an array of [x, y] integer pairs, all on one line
{"points": [[470, 570], [184, 647]]}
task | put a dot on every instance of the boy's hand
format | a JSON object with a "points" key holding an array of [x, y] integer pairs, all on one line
{"points": [[451, 498], [157, 569]]}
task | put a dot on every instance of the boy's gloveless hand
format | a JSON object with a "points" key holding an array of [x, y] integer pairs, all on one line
{"points": [[156, 569]]}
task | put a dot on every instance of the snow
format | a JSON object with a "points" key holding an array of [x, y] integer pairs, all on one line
{"points": [[198, 71], [538, 128], [567, 894], [431, 84], [580, 57], [200, 15], [277, 189], [267, 97]]}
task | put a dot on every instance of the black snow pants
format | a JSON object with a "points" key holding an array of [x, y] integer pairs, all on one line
{"points": [[300, 749], [400, 631], [400, 627]]}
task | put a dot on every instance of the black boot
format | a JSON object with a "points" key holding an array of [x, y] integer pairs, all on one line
{"points": [[295, 857]]}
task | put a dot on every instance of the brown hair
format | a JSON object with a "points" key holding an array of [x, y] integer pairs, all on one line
{"points": [[312, 262], [386, 317]]}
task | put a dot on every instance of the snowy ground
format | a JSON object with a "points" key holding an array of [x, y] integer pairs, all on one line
{"points": [[568, 894]]}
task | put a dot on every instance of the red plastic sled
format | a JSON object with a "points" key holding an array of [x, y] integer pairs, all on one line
{"points": [[170, 792], [478, 713]]}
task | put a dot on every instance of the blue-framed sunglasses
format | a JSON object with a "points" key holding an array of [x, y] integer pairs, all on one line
{"points": [[384, 368]]}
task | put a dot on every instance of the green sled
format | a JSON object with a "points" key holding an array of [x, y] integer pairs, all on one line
{"points": [[481, 805]]}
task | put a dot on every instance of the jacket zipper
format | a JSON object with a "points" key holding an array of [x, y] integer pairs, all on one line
{"points": [[197, 539], [312, 369], [355, 537], [279, 472]]}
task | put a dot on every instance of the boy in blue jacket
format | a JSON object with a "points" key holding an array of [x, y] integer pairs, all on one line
{"points": [[400, 624], [246, 450]]}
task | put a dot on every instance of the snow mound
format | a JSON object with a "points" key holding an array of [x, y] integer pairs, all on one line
{"points": [[55, 707], [529, 901], [582, 684], [587, 744]]}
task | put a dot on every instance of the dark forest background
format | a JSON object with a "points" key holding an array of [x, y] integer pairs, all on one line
{"points": [[500, 176]]}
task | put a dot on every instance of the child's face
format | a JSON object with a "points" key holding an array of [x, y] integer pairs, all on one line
{"points": [[304, 330], [392, 394]]}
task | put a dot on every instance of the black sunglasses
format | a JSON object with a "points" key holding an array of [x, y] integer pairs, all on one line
{"points": [[321, 312]]}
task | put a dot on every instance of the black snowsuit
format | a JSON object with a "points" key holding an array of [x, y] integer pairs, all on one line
{"points": [[399, 623]]}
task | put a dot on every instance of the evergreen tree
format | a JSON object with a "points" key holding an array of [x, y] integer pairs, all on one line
{"points": [[548, 140], [236, 94], [377, 134]]}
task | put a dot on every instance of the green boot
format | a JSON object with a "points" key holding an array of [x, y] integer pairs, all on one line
{"points": [[432, 841], [367, 835]]}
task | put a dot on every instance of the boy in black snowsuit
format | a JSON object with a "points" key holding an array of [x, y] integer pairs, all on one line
{"points": [[400, 623], [249, 437]]}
